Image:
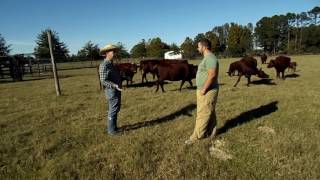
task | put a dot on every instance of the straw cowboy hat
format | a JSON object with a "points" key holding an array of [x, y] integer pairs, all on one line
{"points": [[108, 48]]}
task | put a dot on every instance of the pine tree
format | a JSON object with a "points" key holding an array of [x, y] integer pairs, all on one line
{"points": [[188, 48], [60, 50], [4, 49], [90, 51], [139, 50]]}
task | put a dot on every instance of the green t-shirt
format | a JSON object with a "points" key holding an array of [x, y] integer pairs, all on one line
{"points": [[208, 62]]}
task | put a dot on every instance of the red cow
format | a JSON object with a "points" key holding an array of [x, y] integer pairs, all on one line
{"points": [[280, 64]]}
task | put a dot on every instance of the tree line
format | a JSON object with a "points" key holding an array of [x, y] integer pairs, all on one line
{"points": [[285, 33]]}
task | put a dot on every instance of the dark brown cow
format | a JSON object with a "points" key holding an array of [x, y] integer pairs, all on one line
{"points": [[293, 66], [147, 66], [247, 66], [264, 58], [175, 72], [280, 64], [250, 61], [233, 68], [127, 71]]}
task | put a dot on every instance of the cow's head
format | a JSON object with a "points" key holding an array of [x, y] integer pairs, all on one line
{"points": [[193, 70], [271, 64], [262, 74]]}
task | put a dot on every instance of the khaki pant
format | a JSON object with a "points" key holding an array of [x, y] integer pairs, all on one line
{"points": [[206, 120]]}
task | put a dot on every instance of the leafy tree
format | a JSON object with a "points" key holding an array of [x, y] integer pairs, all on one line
{"points": [[60, 50], [272, 33], [156, 48], [173, 47], [311, 40], [214, 40], [240, 40], [188, 48], [123, 53], [89, 51], [4, 49], [315, 12], [290, 20], [139, 50]]}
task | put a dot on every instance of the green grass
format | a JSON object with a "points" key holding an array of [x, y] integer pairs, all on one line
{"points": [[47, 137]]}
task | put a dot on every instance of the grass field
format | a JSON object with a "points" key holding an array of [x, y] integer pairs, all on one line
{"points": [[266, 131]]}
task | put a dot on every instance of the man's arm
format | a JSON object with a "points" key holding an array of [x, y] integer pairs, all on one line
{"points": [[103, 76], [212, 73]]}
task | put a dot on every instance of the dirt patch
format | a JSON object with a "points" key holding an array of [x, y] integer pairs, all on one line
{"points": [[220, 151], [267, 130]]}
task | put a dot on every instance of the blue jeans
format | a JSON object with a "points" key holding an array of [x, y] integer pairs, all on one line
{"points": [[114, 100]]}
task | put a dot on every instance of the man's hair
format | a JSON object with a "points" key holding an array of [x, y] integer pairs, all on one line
{"points": [[206, 43]]}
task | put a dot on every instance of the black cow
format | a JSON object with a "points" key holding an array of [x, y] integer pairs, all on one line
{"points": [[281, 63], [264, 58], [127, 71], [147, 66], [247, 66]]}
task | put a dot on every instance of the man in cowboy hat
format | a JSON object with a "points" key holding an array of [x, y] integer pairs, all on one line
{"points": [[110, 79]]}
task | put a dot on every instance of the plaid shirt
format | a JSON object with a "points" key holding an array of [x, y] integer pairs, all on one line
{"points": [[109, 76]]}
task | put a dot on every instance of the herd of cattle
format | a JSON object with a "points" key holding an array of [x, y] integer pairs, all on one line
{"points": [[171, 70], [181, 70], [247, 66]]}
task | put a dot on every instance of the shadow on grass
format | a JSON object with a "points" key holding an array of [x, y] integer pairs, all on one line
{"points": [[33, 78], [184, 111], [192, 88], [248, 116], [294, 75], [263, 81], [145, 84]]}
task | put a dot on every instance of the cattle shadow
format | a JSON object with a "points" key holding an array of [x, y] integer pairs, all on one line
{"points": [[145, 84], [294, 75], [263, 82], [193, 87], [248, 116], [185, 88], [184, 111]]}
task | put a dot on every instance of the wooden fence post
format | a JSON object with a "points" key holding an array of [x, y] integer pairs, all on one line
{"points": [[54, 68]]}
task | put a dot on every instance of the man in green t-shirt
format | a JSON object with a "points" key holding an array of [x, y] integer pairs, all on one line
{"points": [[207, 94]]}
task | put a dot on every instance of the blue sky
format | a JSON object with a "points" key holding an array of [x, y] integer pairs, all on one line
{"points": [[129, 21]]}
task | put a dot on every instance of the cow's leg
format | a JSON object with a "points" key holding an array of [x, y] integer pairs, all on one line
{"points": [[278, 74], [283, 74], [157, 86], [182, 82], [144, 76], [238, 80], [161, 84], [190, 82], [249, 81]]}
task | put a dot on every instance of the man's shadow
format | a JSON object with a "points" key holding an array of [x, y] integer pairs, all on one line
{"points": [[184, 111], [248, 116]]}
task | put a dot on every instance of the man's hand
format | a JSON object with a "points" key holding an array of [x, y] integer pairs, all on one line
{"points": [[203, 92], [117, 88]]}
